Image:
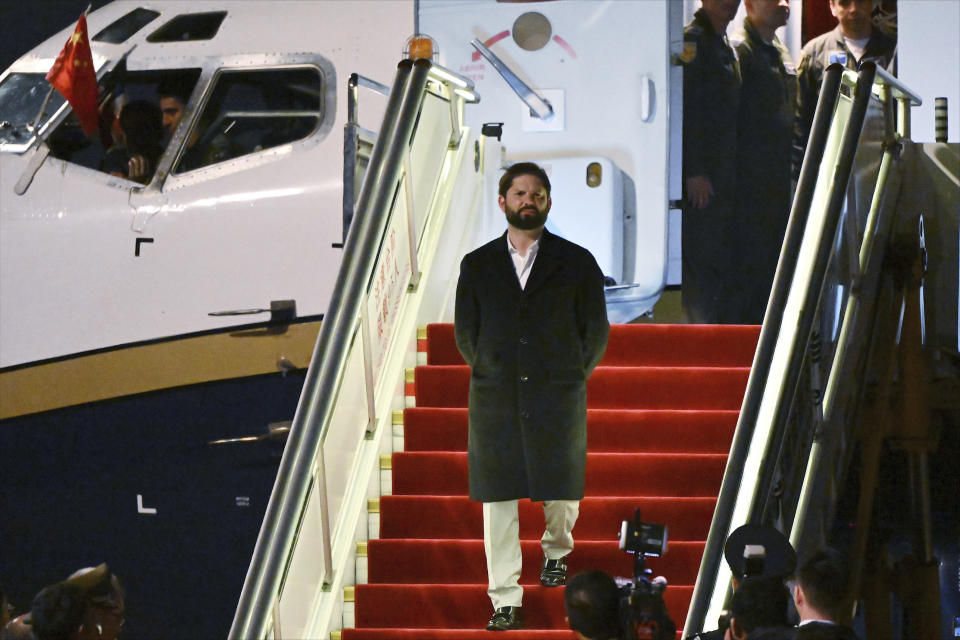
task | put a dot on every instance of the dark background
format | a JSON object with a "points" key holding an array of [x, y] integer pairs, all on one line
{"points": [[27, 23]]}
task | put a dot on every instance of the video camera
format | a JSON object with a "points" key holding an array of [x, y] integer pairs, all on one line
{"points": [[643, 614]]}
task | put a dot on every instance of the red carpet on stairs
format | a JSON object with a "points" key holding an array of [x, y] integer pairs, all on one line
{"points": [[663, 405]]}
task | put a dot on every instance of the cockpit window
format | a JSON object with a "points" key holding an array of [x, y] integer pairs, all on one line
{"points": [[121, 29], [249, 111], [189, 26], [21, 95], [133, 125]]}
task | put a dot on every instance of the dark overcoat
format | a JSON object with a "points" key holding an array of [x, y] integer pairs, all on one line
{"points": [[764, 133], [530, 351], [708, 236]]}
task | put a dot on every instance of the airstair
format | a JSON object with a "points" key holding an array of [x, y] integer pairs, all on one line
{"points": [[832, 380]]}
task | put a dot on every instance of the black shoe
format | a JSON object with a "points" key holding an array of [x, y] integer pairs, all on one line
{"points": [[505, 618], [554, 572]]}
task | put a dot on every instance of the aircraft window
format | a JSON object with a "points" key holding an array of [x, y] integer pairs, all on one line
{"points": [[21, 95], [117, 89], [249, 111], [121, 29], [189, 26]]}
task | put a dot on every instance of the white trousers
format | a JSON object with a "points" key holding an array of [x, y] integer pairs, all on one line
{"points": [[501, 541]]}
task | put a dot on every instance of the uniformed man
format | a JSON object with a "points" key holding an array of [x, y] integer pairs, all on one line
{"points": [[764, 129], [754, 550], [711, 90], [531, 321], [854, 40]]}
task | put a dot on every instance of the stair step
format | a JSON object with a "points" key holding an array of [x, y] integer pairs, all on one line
{"points": [[610, 387], [417, 561], [642, 344], [452, 634], [439, 606], [457, 517], [608, 430], [611, 474]]}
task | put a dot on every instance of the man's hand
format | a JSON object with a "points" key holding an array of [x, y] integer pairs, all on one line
{"points": [[137, 167], [699, 191]]}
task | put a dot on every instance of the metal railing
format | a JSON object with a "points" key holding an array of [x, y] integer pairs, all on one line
{"points": [[354, 136], [818, 315], [300, 489]]}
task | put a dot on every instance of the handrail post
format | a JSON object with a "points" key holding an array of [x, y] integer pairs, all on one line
{"points": [[320, 484], [411, 221], [368, 378], [350, 155]]}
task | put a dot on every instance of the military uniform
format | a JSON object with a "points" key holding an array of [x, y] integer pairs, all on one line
{"points": [[711, 90], [815, 57], [764, 129]]}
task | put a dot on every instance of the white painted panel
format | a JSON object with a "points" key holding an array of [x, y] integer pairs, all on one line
{"points": [[303, 581], [928, 52], [390, 279], [601, 55], [427, 153], [344, 435]]}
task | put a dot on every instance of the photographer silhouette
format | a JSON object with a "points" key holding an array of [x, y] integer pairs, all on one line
{"points": [[602, 608]]}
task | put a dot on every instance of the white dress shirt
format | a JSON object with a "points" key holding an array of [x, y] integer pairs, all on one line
{"points": [[523, 264]]}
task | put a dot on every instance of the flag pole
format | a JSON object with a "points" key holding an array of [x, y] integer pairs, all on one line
{"points": [[43, 107]]}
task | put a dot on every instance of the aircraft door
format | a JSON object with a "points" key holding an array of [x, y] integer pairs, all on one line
{"points": [[604, 69]]}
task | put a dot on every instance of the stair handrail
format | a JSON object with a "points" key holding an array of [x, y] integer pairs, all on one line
{"points": [[304, 447], [710, 590], [729, 488]]}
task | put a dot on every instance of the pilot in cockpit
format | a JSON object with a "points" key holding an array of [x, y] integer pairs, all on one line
{"points": [[173, 94], [139, 142]]}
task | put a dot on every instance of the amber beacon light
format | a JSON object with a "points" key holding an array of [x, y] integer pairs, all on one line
{"points": [[419, 46]]}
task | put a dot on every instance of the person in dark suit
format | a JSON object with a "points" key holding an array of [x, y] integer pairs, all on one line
{"points": [[531, 322], [821, 596]]}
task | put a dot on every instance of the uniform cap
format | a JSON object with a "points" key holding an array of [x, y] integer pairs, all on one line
{"points": [[779, 557]]}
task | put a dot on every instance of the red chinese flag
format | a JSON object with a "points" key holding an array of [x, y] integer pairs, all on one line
{"points": [[74, 77]]}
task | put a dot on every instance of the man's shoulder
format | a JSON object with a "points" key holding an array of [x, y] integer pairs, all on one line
{"points": [[486, 249], [559, 244], [773, 633], [882, 41], [818, 629], [740, 39], [694, 30], [716, 634], [821, 42], [784, 52]]}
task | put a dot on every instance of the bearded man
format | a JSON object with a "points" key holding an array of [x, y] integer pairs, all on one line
{"points": [[531, 322]]}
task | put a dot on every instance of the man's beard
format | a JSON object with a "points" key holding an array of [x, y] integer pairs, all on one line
{"points": [[526, 222]]}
